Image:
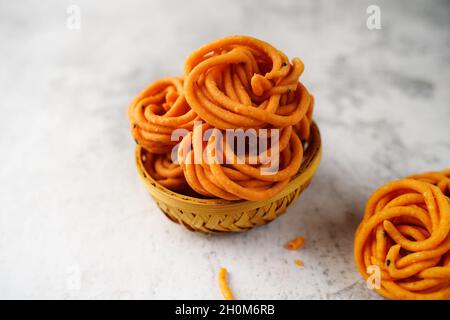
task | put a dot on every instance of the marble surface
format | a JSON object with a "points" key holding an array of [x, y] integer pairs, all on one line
{"points": [[75, 221]]}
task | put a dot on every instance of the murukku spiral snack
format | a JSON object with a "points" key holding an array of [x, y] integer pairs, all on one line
{"points": [[242, 177], [303, 127], [161, 168], [237, 82], [243, 82], [438, 178], [405, 232], [157, 111]]}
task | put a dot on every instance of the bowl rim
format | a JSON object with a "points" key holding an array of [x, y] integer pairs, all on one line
{"points": [[311, 159]]}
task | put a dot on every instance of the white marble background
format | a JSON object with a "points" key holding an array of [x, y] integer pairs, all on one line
{"points": [[75, 221]]}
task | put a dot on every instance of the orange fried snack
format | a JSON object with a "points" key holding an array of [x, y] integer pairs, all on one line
{"points": [[237, 82], [157, 111], [243, 82], [299, 262], [223, 285], [303, 127], [237, 180], [161, 168], [405, 232], [295, 244], [439, 178]]}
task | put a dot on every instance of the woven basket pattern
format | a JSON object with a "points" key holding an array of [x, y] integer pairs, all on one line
{"points": [[222, 216], [238, 222]]}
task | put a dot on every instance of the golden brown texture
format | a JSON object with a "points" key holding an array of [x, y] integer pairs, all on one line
{"points": [[157, 111], [405, 233]]}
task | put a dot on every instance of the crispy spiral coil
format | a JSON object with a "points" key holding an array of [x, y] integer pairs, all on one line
{"points": [[440, 179], [157, 111], [237, 180], [303, 127], [161, 168], [405, 232], [243, 82]]}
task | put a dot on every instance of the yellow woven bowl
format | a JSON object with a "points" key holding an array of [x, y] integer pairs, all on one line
{"points": [[223, 216]]}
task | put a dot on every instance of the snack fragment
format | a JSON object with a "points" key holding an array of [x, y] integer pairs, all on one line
{"points": [[223, 285], [295, 244], [299, 262]]}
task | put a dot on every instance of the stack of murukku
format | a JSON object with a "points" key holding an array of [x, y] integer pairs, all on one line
{"points": [[236, 85], [405, 235]]}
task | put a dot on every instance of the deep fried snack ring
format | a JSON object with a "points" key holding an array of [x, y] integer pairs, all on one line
{"points": [[237, 180], [438, 178], [161, 168], [303, 127], [157, 111], [243, 82], [406, 233]]}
